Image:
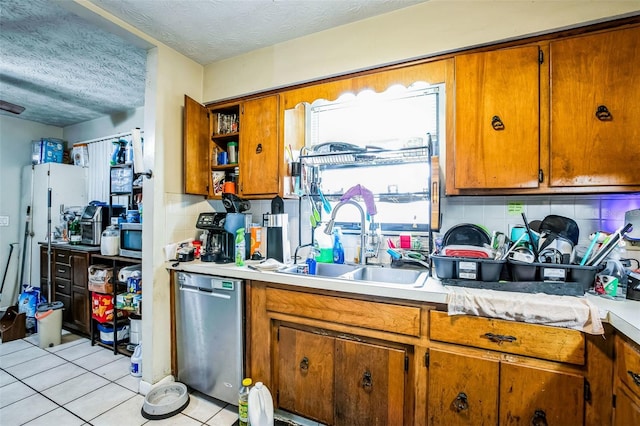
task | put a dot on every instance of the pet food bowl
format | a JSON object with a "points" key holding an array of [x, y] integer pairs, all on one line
{"points": [[165, 400]]}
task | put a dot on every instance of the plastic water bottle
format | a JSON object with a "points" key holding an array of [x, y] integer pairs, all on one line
{"points": [[136, 361], [243, 402]]}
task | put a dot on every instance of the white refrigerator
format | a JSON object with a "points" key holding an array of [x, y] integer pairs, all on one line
{"points": [[68, 185]]}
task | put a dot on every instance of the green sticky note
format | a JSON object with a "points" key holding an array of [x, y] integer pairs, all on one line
{"points": [[515, 207]]}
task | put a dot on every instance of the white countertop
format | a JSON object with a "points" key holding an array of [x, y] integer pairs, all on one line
{"points": [[624, 315]]}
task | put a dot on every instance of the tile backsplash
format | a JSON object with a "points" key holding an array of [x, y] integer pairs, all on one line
{"points": [[496, 213], [591, 213]]}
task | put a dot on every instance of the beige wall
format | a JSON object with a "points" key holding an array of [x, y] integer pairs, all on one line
{"points": [[426, 29], [169, 77]]}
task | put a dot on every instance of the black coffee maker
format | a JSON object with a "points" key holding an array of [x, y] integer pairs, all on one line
{"points": [[221, 229], [220, 245]]}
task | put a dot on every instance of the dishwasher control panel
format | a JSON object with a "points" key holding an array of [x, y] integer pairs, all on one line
{"points": [[206, 282]]}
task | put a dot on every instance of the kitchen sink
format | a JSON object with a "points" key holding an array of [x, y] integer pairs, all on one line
{"points": [[331, 270], [388, 275], [371, 274]]}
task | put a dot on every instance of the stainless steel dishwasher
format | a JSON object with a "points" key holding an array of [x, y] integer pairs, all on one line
{"points": [[210, 335]]}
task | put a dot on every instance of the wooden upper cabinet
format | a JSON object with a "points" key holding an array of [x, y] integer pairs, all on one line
{"points": [[588, 74], [259, 160], [197, 163], [497, 119]]}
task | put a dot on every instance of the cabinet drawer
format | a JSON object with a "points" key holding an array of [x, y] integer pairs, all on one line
{"points": [[62, 271], [539, 341], [372, 315], [62, 256], [628, 361], [63, 287]]}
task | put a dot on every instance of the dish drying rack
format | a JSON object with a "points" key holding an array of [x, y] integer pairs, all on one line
{"points": [[368, 157]]}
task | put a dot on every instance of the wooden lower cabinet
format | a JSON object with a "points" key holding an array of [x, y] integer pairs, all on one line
{"points": [[369, 385], [306, 367], [339, 359], [531, 395], [463, 389], [627, 408], [627, 383], [480, 388], [340, 382], [69, 279]]}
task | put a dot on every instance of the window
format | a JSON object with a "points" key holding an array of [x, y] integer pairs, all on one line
{"points": [[380, 141]]}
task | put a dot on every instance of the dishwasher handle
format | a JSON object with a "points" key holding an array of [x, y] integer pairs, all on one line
{"points": [[205, 293]]}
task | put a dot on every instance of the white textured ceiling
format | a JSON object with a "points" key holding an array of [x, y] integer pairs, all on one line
{"points": [[65, 70]]}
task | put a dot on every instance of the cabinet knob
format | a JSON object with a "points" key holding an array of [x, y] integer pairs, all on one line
{"points": [[304, 364], [635, 377], [367, 381], [539, 418], [461, 402], [603, 114], [500, 338], [258, 148], [496, 123]]}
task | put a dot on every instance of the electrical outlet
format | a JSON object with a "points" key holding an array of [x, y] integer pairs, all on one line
{"points": [[4, 220]]}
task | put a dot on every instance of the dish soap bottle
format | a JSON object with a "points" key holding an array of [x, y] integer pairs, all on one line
{"points": [[324, 246], [240, 247], [243, 402], [311, 260], [338, 249]]}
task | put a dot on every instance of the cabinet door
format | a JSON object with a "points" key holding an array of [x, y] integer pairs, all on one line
{"points": [[79, 271], [530, 396], [497, 119], [79, 291], [44, 274], [627, 410], [369, 384], [196, 155], [463, 389], [259, 146], [67, 315], [306, 374], [587, 73]]}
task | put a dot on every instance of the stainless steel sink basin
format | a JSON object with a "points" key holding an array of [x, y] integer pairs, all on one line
{"points": [[371, 274], [330, 270], [388, 275]]}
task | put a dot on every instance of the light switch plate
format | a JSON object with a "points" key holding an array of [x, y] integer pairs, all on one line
{"points": [[4, 220]]}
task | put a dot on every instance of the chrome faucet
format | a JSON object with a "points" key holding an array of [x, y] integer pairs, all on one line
{"points": [[363, 236]]}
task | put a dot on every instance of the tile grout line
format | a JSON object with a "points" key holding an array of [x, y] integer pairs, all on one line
{"points": [[75, 365], [37, 393]]}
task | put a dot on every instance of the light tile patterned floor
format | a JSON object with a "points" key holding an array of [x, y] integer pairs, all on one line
{"points": [[75, 383]]}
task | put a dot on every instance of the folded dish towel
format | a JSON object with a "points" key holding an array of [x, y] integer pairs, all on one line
{"points": [[266, 265], [577, 313]]}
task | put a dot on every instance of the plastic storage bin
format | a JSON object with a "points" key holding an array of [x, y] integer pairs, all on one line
{"points": [[448, 267], [551, 272], [106, 333]]}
